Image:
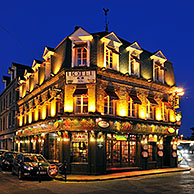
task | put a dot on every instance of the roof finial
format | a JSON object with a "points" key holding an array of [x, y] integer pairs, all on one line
{"points": [[106, 22]]}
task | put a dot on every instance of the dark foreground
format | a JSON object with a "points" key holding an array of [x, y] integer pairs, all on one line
{"points": [[182, 182]]}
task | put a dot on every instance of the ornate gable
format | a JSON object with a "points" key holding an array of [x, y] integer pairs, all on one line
{"points": [[159, 56], [47, 52], [80, 34], [134, 47], [113, 39], [36, 64]]}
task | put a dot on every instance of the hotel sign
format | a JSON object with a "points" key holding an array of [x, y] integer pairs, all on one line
{"points": [[80, 77]]}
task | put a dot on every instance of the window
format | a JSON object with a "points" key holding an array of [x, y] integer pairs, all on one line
{"points": [[158, 72], [109, 105], [81, 104], [79, 147], [132, 152], [164, 112], [150, 110], [80, 54], [150, 152], [131, 108], [109, 58], [134, 64]]}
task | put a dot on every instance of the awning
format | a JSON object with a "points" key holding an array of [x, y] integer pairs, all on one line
{"points": [[151, 100], [80, 91], [113, 50], [165, 101], [135, 99], [112, 94]]}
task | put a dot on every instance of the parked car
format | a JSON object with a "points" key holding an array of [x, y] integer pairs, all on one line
{"points": [[32, 165], [6, 160], [2, 151]]}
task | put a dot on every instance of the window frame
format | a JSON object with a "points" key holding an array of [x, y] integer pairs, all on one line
{"points": [[136, 65], [132, 108], [81, 104], [158, 71], [113, 106], [74, 53], [150, 110], [115, 57]]}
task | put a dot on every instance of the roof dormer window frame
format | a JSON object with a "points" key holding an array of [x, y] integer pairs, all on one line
{"points": [[158, 66], [134, 59], [78, 53], [82, 37], [111, 51]]}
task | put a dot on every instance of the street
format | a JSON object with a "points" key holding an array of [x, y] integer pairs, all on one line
{"points": [[182, 182]]}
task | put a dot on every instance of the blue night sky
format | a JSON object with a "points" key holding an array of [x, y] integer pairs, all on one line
{"points": [[27, 26]]}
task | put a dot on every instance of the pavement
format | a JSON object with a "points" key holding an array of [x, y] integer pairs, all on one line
{"points": [[120, 175]]}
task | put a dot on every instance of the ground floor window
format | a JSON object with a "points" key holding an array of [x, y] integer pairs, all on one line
{"points": [[152, 151], [54, 147], [120, 151], [79, 147]]}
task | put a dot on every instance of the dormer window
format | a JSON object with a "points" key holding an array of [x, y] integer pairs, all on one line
{"points": [[134, 58], [158, 66], [80, 47], [158, 72], [109, 58], [80, 54], [134, 64], [111, 51]]}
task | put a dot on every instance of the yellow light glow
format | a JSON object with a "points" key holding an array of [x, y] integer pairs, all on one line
{"points": [[172, 116], [122, 109], [92, 139], [142, 112], [58, 139], [30, 117], [53, 108], [158, 114], [69, 107], [91, 107], [36, 114], [39, 140], [20, 120], [43, 112]]}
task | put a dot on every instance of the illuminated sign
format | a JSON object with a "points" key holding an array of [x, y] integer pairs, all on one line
{"points": [[145, 154], [160, 153], [79, 137], [171, 130], [121, 137], [80, 77], [53, 170], [103, 124]]}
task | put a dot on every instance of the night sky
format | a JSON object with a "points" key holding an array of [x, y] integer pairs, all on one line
{"points": [[27, 26]]}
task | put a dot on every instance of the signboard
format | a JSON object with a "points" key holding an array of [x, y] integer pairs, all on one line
{"points": [[160, 153], [80, 77], [145, 154], [53, 170], [103, 124], [79, 137], [121, 137], [171, 130]]}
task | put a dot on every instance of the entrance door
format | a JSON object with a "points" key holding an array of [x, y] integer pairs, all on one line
{"points": [[117, 152]]}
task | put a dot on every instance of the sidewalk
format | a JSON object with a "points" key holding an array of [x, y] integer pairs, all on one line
{"points": [[121, 175]]}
